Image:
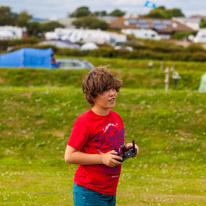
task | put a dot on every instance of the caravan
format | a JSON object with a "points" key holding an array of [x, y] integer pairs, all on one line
{"points": [[12, 32], [201, 36]]}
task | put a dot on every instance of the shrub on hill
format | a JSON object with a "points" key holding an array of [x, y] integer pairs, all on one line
{"points": [[160, 50], [4, 44]]}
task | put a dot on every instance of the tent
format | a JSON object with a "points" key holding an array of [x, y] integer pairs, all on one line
{"points": [[29, 57], [202, 87], [89, 46], [61, 44]]}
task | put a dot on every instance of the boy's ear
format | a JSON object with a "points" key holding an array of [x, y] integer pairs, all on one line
{"points": [[94, 99]]}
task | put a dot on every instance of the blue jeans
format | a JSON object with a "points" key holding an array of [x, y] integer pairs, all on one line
{"points": [[87, 197]]}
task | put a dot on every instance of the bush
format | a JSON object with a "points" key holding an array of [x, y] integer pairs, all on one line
{"points": [[162, 52], [181, 35], [195, 48], [91, 23], [4, 44]]}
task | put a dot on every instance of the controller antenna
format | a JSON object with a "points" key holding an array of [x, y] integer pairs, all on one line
{"points": [[133, 145]]}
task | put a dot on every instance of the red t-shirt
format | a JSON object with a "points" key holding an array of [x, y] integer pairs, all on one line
{"points": [[94, 134]]}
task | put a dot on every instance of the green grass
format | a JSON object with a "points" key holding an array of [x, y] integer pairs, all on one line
{"points": [[132, 78], [168, 127], [133, 64], [134, 73]]}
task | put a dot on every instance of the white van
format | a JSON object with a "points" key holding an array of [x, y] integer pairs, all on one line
{"points": [[142, 33]]}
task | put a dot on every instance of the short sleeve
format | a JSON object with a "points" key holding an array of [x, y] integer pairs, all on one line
{"points": [[79, 134]]}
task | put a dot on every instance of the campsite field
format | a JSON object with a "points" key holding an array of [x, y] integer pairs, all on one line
{"points": [[169, 128]]}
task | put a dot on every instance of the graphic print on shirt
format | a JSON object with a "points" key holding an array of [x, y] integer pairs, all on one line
{"points": [[110, 139]]}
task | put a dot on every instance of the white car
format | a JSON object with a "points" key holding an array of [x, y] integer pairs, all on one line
{"points": [[74, 64]]}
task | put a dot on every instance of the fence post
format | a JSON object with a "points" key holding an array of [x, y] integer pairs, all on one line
{"points": [[162, 65], [175, 77], [167, 76]]}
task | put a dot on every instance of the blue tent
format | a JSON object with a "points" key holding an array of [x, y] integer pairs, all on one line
{"points": [[28, 57]]}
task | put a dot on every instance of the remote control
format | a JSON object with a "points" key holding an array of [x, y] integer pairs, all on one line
{"points": [[127, 153]]}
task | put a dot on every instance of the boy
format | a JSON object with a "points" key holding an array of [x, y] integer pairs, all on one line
{"points": [[96, 138]]}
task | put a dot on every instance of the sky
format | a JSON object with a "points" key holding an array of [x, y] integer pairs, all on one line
{"points": [[54, 9]]}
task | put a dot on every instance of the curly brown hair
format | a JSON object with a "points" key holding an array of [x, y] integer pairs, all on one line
{"points": [[97, 81]]}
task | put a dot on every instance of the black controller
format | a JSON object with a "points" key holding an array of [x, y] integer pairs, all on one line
{"points": [[127, 153]]}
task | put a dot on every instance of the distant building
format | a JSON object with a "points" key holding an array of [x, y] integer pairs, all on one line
{"points": [[107, 19], [198, 17], [67, 22], [164, 27], [39, 20], [193, 23]]}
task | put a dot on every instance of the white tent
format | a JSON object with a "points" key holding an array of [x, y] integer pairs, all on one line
{"points": [[89, 46]]}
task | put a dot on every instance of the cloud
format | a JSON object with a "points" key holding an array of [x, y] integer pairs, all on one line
{"points": [[60, 8]]}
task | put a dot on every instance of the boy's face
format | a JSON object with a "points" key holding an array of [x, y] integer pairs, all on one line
{"points": [[106, 100]]}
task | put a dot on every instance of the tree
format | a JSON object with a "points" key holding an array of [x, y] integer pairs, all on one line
{"points": [[117, 12], [33, 28], [23, 18], [91, 23], [161, 7], [157, 13], [175, 13], [203, 23], [99, 13], [36, 28], [81, 12], [50, 26], [162, 12], [7, 17]]}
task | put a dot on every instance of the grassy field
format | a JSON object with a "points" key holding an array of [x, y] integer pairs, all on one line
{"points": [[169, 128], [133, 64], [132, 78]]}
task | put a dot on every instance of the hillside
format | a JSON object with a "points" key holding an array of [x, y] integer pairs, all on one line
{"points": [[168, 127]]}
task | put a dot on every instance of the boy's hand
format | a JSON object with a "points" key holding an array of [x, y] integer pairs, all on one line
{"points": [[110, 159], [129, 145]]}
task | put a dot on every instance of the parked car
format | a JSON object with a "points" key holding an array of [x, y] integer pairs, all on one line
{"points": [[74, 64]]}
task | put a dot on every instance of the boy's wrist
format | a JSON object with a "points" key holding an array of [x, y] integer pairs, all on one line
{"points": [[101, 158]]}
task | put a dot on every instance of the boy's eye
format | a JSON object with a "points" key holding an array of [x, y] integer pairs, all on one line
{"points": [[107, 90], [113, 89]]}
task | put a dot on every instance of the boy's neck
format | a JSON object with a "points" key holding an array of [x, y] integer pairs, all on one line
{"points": [[100, 111]]}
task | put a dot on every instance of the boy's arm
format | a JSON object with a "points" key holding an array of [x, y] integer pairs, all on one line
{"points": [[74, 156]]}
